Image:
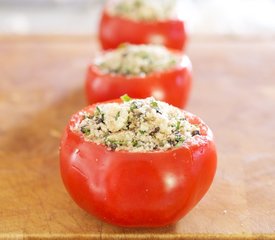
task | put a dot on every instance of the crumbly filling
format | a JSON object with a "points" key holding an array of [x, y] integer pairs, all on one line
{"points": [[137, 60], [137, 126], [143, 10]]}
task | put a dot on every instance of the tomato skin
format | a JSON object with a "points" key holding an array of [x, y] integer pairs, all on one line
{"points": [[149, 189], [114, 30], [171, 86]]}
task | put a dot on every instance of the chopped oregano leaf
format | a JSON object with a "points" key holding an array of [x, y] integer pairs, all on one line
{"points": [[179, 139], [178, 125], [112, 144], [85, 130], [125, 98], [133, 106], [134, 143], [154, 104], [97, 110], [117, 115]]}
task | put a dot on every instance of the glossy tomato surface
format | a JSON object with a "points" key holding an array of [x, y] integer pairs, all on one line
{"points": [[115, 30], [146, 189], [172, 86]]}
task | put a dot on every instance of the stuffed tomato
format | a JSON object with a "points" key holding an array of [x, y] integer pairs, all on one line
{"points": [[140, 71], [137, 162], [141, 22]]}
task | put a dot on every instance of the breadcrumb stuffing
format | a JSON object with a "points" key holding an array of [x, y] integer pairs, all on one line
{"points": [[142, 10], [137, 60], [138, 125]]}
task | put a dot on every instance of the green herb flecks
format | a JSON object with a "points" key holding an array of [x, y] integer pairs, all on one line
{"points": [[112, 144], [133, 106], [99, 115], [135, 143], [85, 130], [97, 111], [117, 116], [178, 125], [179, 140], [154, 104], [125, 98]]}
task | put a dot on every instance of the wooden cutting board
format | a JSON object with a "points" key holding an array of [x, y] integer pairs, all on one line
{"points": [[41, 85]]}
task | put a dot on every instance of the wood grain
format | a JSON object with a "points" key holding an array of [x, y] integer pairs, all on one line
{"points": [[41, 86]]}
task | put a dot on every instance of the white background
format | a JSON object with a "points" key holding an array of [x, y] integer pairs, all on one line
{"points": [[206, 17]]}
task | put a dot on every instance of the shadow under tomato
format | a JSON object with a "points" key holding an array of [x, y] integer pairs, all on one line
{"points": [[131, 232]]}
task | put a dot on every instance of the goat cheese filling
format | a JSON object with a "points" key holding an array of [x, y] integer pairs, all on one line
{"points": [[137, 125], [137, 60], [142, 10]]}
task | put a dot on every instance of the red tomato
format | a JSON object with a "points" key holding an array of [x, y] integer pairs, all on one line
{"points": [[171, 86], [115, 30], [137, 189]]}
